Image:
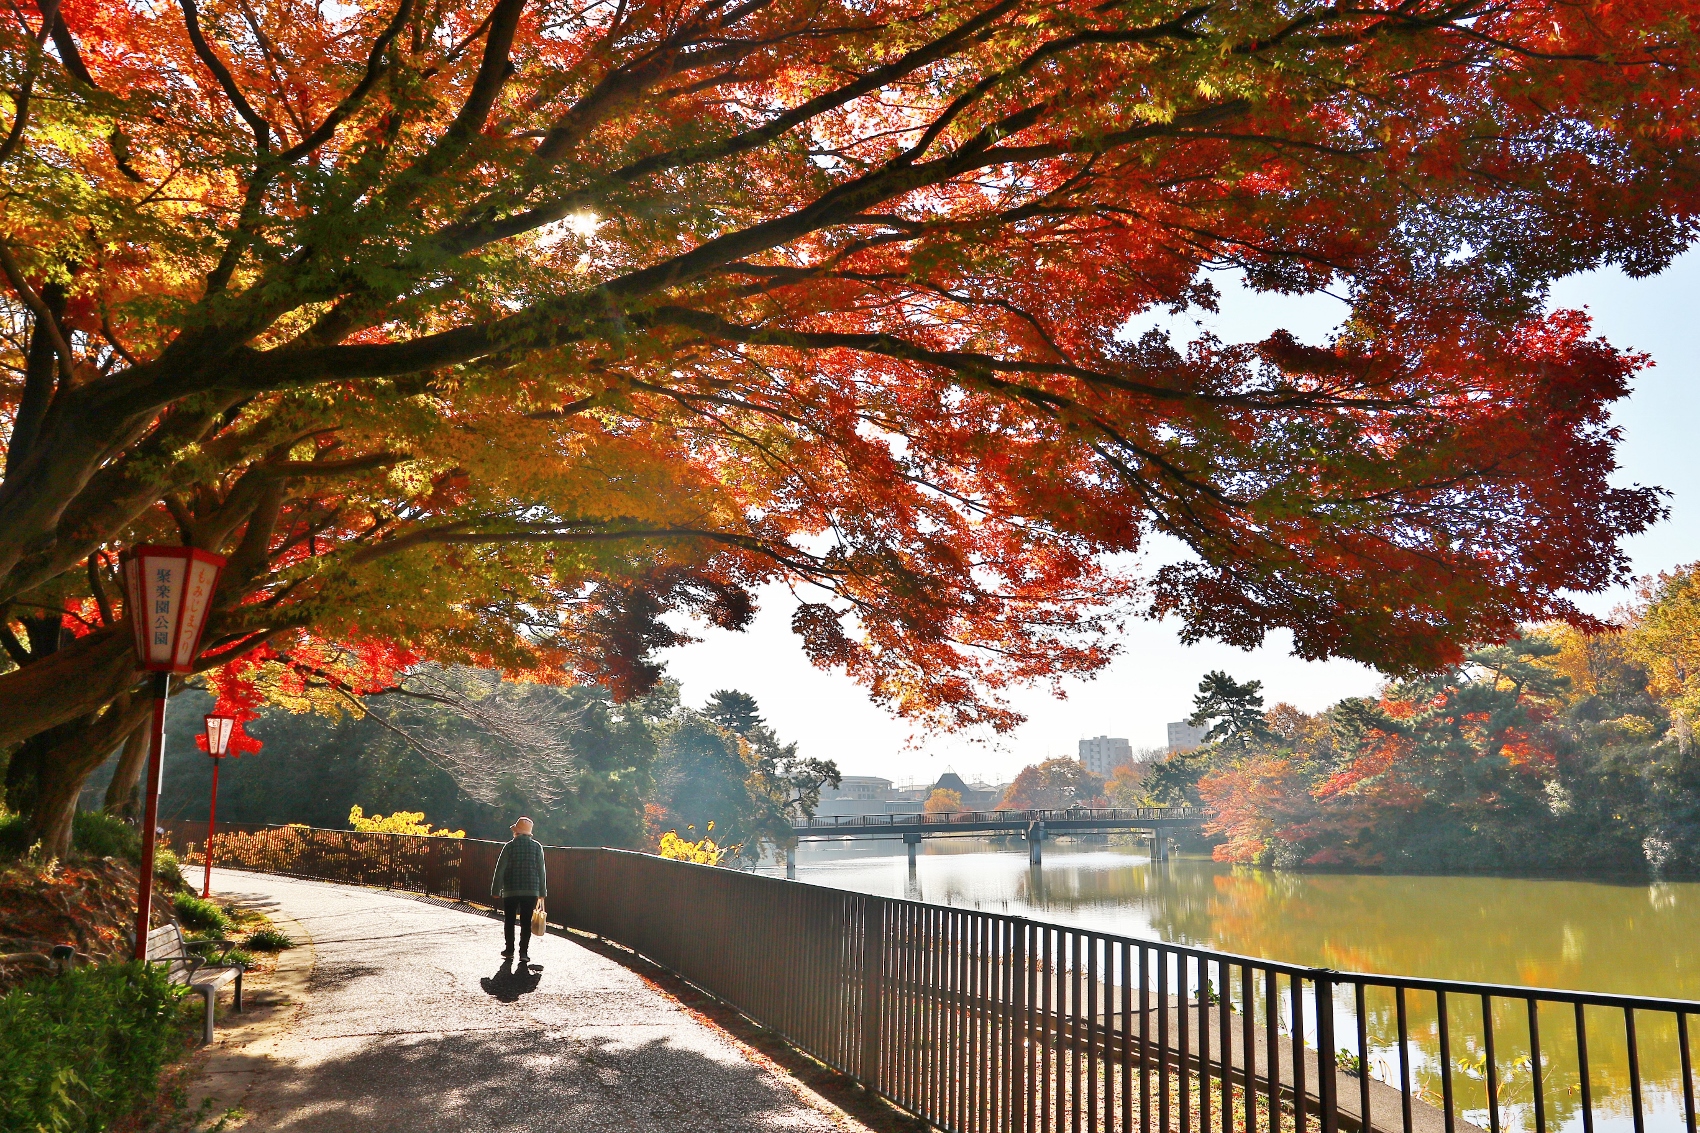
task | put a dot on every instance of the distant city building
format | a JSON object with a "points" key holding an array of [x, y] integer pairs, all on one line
{"points": [[856, 795], [868, 794], [867, 788], [1103, 754], [1185, 737]]}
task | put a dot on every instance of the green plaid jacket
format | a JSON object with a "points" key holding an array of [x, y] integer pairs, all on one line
{"points": [[519, 871]]}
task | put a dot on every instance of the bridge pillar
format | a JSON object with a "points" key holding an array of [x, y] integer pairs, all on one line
{"points": [[1035, 842], [1159, 846], [791, 862], [913, 842]]}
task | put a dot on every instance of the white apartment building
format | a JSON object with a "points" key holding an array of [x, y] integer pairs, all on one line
{"points": [[856, 795], [868, 788], [1185, 737], [1103, 754]]}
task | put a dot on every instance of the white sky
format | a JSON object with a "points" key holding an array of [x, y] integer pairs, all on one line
{"points": [[1153, 680]]}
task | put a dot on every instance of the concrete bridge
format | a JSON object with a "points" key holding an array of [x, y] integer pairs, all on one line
{"points": [[1034, 825]]}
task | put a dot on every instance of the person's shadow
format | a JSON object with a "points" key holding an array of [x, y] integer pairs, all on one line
{"points": [[508, 984]]}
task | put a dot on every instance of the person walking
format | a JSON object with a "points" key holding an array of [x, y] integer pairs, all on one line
{"points": [[519, 882]]}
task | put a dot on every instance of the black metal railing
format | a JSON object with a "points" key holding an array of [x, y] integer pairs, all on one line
{"points": [[1011, 818], [981, 1021]]}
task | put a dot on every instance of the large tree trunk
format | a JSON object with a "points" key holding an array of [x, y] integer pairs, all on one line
{"points": [[122, 800], [66, 685], [68, 766], [25, 770]]}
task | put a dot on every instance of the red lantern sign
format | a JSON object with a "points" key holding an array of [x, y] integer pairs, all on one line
{"points": [[218, 734], [218, 743], [170, 591]]}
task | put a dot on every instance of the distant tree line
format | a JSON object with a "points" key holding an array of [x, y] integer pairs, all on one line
{"points": [[472, 751], [1557, 750]]}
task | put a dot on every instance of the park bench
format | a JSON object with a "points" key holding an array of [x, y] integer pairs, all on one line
{"points": [[189, 962]]}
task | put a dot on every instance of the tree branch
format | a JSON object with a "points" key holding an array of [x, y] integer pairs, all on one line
{"points": [[226, 81], [352, 101], [38, 307]]}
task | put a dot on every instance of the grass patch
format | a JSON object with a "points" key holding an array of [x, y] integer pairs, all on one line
{"points": [[268, 940], [102, 836], [196, 913], [93, 835]]}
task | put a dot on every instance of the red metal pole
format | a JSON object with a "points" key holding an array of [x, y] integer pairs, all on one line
{"points": [[150, 812], [212, 808]]}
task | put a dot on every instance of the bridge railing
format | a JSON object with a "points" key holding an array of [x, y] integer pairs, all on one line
{"points": [[1012, 818], [982, 1022]]}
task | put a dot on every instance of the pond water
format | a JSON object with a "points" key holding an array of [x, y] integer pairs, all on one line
{"points": [[1626, 937]]}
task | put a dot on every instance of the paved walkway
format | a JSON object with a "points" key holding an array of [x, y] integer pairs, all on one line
{"points": [[409, 1022]]}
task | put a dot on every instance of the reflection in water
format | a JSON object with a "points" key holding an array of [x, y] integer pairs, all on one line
{"points": [[1635, 939]]}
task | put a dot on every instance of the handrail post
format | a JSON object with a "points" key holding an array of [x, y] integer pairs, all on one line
{"points": [[1020, 1027], [1327, 1084], [873, 990]]}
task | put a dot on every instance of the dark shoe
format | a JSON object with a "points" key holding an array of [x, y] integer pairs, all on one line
{"points": [[524, 959], [507, 952]]}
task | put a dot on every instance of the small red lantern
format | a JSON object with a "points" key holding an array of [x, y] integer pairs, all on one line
{"points": [[169, 593], [218, 745], [218, 734]]}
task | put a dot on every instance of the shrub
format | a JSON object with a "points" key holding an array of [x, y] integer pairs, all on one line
{"points": [[196, 913], [93, 834], [103, 836], [84, 1049], [13, 830], [343, 855], [268, 940], [166, 871], [239, 956], [703, 852]]}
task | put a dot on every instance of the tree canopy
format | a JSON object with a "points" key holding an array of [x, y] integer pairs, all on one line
{"points": [[1055, 784], [492, 333], [1233, 711]]}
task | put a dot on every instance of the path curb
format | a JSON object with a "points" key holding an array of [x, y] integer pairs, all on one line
{"points": [[241, 1051]]}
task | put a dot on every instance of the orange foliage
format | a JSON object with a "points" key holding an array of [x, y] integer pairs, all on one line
{"points": [[1450, 746]]}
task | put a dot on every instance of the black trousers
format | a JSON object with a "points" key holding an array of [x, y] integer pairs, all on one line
{"points": [[518, 909]]}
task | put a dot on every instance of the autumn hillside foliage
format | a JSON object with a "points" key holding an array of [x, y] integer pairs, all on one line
{"points": [[1556, 750]]}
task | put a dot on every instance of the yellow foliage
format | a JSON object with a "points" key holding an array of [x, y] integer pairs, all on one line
{"points": [[942, 801], [1586, 658], [397, 822], [1665, 639], [702, 852]]}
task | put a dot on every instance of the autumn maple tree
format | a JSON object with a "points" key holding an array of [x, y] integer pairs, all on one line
{"points": [[493, 332], [1467, 748]]}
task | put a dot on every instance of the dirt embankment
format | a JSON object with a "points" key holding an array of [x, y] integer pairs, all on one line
{"points": [[89, 903]]}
